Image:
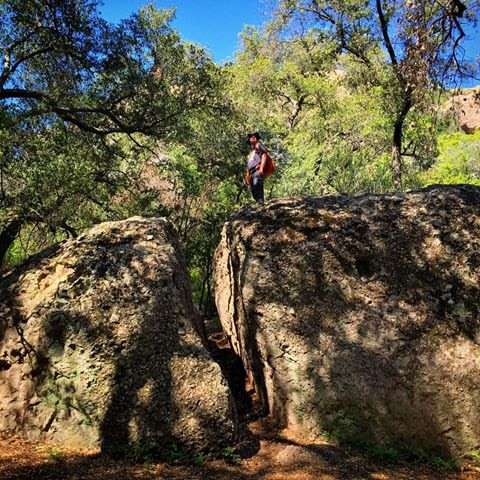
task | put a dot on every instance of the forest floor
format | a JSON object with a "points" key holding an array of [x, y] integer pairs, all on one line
{"points": [[279, 458]]}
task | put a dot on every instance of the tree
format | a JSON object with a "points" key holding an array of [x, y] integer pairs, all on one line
{"points": [[328, 127], [421, 39], [70, 76], [207, 169], [60, 58]]}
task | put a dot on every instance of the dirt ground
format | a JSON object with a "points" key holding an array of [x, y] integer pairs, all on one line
{"points": [[279, 458]]}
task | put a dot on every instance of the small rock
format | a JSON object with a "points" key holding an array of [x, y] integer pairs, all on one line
{"points": [[296, 456]]}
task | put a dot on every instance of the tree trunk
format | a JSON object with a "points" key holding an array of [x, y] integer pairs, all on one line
{"points": [[398, 140], [397, 162], [8, 235]]}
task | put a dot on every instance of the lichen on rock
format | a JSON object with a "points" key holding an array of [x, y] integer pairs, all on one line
{"points": [[98, 346], [360, 316]]}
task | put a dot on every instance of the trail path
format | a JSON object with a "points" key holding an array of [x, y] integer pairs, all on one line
{"points": [[279, 458]]}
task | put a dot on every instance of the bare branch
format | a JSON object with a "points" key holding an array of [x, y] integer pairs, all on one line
{"points": [[386, 36], [9, 69]]}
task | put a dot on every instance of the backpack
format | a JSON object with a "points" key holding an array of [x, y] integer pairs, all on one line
{"points": [[269, 169], [269, 166]]}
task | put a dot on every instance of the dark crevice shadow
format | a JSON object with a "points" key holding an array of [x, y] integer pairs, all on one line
{"points": [[234, 372], [249, 342]]}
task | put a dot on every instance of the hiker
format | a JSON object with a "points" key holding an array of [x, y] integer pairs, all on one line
{"points": [[258, 160]]}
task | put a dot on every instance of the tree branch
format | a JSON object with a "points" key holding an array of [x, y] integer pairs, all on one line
{"points": [[386, 36], [10, 69]]}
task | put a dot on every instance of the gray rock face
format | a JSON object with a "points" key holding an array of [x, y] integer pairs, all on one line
{"points": [[360, 316], [97, 346]]}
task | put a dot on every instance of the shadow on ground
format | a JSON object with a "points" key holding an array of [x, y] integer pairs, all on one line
{"points": [[24, 461]]}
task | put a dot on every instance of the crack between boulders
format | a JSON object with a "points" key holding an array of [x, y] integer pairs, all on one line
{"points": [[247, 345]]}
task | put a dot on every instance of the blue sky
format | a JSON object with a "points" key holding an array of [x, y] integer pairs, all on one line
{"points": [[215, 24]]}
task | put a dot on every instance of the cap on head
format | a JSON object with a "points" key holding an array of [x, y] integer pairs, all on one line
{"points": [[254, 134]]}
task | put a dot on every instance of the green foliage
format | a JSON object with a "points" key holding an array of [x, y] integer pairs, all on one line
{"points": [[68, 63], [346, 430], [146, 452], [474, 455], [199, 459], [151, 451], [328, 129], [230, 455], [401, 49], [91, 100], [176, 454], [55, 454], [110, 121], [444, 464], [17, 253], [383, 454], [403, 454], [458, 160]]}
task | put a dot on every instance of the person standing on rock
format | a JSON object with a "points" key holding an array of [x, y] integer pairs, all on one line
{"points": [[259, 166]]}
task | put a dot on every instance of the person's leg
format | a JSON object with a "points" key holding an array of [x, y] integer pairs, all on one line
{"points": [[257, 188]]}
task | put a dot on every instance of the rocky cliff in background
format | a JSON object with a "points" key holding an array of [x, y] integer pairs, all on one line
{"points": [[465, 106], [97, 347], [360, 316]]}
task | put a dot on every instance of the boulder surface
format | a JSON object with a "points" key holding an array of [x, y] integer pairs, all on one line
{"points": [[360, 316], [97, 347]]}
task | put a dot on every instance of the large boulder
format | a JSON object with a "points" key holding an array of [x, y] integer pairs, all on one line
{"points": [[97, 347], [360, 316]]}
